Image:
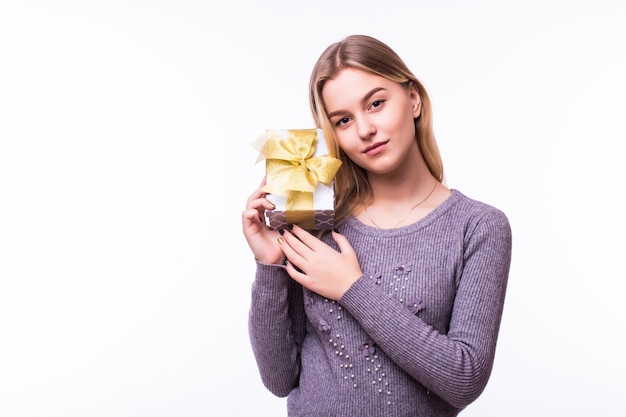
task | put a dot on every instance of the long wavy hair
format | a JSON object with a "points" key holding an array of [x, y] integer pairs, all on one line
{"points": [[352, 188]]}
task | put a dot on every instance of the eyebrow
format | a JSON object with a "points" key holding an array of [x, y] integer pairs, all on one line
{"points": [[363, 100]]}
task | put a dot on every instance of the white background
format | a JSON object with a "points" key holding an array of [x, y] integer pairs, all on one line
{"points": [[125, 163]]}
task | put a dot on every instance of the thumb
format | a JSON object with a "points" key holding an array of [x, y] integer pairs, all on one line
{"points": [[344, 245]]}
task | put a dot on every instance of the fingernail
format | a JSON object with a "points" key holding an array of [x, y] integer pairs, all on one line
{"points": [[272, 204], [290, 226], [280, 241], [335, 230], [281, 231]]}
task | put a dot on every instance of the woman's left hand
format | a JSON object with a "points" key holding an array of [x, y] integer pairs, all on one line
{"points": [[319, 267]]}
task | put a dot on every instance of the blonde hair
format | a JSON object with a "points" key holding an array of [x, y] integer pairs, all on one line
{"points": [[362, 52]]}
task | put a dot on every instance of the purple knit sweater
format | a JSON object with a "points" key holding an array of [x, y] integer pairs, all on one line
{"points": [[414, 336]]}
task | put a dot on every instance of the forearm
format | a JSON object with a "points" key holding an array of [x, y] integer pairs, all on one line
{"points": [[276, 328], [456, 369]]}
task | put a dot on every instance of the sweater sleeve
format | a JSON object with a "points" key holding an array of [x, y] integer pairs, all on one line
{"points": [[276, 325], [456, 366]]}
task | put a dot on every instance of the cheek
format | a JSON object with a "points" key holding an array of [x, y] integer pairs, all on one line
{"points": [[345, 142], [410, 127], [406, 124]]}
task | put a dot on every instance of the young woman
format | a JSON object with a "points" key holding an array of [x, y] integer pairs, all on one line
{"points": [[397, 311]]}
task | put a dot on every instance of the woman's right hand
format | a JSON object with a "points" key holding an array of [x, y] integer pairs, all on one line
{"points": [[262, 239]]}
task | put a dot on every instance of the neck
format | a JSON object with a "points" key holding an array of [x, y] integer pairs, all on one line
{"points": [[403, 185], [392, 211]]}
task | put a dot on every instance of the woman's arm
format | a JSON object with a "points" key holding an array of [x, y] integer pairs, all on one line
{"points": [[276, 327], [456, 366]]}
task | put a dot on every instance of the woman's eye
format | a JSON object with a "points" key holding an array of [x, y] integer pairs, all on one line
{"points": [[342, 121], [376, 103]]}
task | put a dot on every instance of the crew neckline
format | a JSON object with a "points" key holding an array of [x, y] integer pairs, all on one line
{"points": [[366, 229]]}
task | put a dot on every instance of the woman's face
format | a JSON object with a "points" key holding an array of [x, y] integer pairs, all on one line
{"points": [[373, 119]]}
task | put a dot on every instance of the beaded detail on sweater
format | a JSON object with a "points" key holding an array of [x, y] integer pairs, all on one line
{"points": [[362, 364]]}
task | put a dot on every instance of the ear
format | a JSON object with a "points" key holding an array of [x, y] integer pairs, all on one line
{"points": [[416, 101]]}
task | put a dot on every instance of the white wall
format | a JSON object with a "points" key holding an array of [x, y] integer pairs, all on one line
{"points": [[125, 164]]}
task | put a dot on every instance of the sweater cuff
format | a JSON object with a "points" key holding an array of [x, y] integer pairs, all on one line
{"points": [[271, 276]]}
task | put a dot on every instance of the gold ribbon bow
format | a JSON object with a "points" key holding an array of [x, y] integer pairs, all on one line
{"points": [[292, 171]]}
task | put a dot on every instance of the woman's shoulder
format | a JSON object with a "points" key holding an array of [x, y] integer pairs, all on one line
{"points": [[476, 211], [471, 205]]}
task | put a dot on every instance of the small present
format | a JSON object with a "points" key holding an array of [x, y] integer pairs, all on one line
{"points": [[299, 178]]}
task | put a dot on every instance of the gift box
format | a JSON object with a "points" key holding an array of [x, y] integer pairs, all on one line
{"points": [[299, 178]]}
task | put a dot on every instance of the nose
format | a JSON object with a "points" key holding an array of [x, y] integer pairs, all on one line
{"points": [[365, 128]]}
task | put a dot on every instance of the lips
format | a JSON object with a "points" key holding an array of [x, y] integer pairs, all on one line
{"points": [[372, 148]]}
